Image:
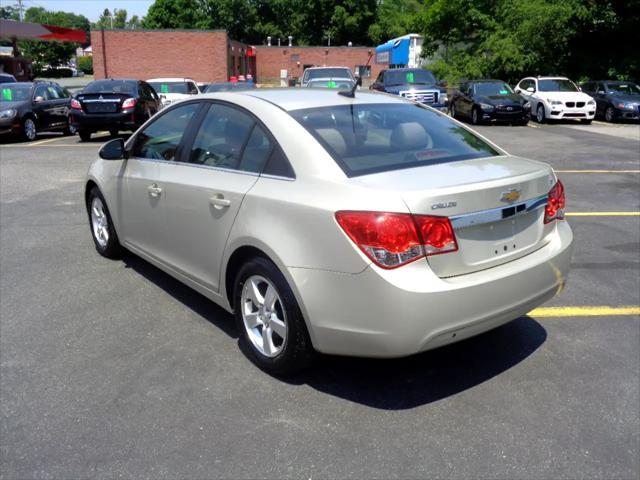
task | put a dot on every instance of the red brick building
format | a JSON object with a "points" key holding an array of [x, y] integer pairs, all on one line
{"points": [[210, 56]]}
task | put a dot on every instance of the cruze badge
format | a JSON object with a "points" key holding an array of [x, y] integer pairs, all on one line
{"points": [[510, 196], [436, 206]]}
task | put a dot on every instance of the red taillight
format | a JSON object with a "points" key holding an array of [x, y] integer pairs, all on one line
{"points": [[75, 104], [129, 103], [555, 203], [395, 239]]}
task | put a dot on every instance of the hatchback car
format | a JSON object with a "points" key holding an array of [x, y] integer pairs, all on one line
{"points": [[114, 105], [368, 226], [27, 108], [489, 101]]}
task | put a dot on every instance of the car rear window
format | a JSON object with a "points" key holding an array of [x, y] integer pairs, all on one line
{"points": [[371, 138], [170, 87], [112, 86], [330, 73]]}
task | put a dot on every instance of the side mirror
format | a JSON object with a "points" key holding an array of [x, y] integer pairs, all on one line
{"points": [[517, 90], [38, 99], [442, 83], [531, 90], [600, 92], [112, 150]]}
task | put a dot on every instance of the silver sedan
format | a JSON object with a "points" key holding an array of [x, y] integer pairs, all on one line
{"points": [[367, 225]]}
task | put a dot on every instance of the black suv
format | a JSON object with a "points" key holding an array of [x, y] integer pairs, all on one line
{"points": [[415, 84], [615, 100], [489, 101], [114, 105], [29, 107]]}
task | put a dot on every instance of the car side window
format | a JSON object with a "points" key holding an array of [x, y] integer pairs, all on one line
{"points": [[41, 91], [193, 90], [221, 137], [256, 151], [278, 165], [160, 140], [600, 88], [62, 92], [588, 87], [380, 77], [52, 92], [150, 92]]}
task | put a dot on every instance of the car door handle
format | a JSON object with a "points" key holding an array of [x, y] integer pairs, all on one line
{"points": [[154, 190], [219, 202]]}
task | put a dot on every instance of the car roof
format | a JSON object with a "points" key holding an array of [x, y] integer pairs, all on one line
{"points": [[168, 79], [115, 80], [549, 78], [299, 98], [406, 69], [484, 80], [319, 68]]}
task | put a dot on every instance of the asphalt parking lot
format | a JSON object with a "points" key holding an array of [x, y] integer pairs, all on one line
{"points": [[113, 369]]}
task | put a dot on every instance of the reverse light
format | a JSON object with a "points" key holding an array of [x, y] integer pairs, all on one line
{"points": [[395, 239], [129, 103], [555, 203], [75, 104]]}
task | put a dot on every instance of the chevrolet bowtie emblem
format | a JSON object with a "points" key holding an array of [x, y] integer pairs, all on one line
{"points": [[510, 196]]}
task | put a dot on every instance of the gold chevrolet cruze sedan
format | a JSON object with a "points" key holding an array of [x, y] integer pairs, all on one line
{"points": [[361, 225]]}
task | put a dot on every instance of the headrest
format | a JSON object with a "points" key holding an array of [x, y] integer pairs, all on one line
{"points": [[410, 135], [334, 139], [318, 120]]}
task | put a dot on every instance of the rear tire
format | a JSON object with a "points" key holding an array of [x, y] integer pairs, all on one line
{"points": [[102, 229], [454, 113], [271, 329], [85, 135], [70, 129]]}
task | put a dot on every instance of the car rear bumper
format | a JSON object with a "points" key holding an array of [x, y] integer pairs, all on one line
{"points": [[395, 313], [95, 121]]}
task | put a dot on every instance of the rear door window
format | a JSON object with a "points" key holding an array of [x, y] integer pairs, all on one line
{"points": [[369, 138], [160, 140]]}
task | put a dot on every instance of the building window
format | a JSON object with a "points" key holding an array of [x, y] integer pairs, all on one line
{"points": [[364, 71]]}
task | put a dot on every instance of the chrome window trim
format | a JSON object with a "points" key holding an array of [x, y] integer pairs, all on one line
{"points": [[495, 214]]}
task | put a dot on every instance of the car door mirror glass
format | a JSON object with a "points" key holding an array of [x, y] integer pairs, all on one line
{"points": [[531, 89], [112, 150]]}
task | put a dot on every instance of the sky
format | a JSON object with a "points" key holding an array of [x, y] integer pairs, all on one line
{"points": [[89, 8]]}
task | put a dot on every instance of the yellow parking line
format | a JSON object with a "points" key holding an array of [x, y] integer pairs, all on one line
{"points": [[596, 311], [602, 214], [597, 171]]}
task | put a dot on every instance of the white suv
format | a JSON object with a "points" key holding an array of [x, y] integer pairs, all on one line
{"points": [[555, 98]]}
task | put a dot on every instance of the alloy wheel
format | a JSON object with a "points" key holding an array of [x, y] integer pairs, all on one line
{"points": [[30, 129], [608, 114], [540, 114], [99, 222], [263, 316]]}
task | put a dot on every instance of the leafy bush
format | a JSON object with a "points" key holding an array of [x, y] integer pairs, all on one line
{"points": [[85, 64]]}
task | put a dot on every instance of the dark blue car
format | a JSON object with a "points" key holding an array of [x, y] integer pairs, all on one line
{"points": [[615, 100], [415, 84]]}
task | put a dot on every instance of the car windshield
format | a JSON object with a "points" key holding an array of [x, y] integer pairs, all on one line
{"points": [[170, 87], [339, 84], [412, 77], [625, 88], [370, 138], [492, 89], [329, 73], [223, 87], [14, 92], [557, 85], [111, 86]]}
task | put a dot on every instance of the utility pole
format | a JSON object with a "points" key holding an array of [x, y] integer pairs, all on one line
{"points": [[21, 10]]}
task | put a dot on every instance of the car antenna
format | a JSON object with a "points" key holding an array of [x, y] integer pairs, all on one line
{"points": [[352, 92]]}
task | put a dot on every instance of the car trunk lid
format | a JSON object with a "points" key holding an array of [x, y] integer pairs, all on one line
{"points": [[102, 102], [496, 207]]}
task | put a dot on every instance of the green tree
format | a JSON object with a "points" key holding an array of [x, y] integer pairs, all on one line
{"points": [[134, 22], [394, 18], [173, 14]]}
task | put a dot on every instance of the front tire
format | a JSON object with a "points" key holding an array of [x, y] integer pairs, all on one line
{"points": [[271, 328], [609, 114], [102, 229], [29, 129], [475, 116], [454, 113], [85, 135], [540, 114]]}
